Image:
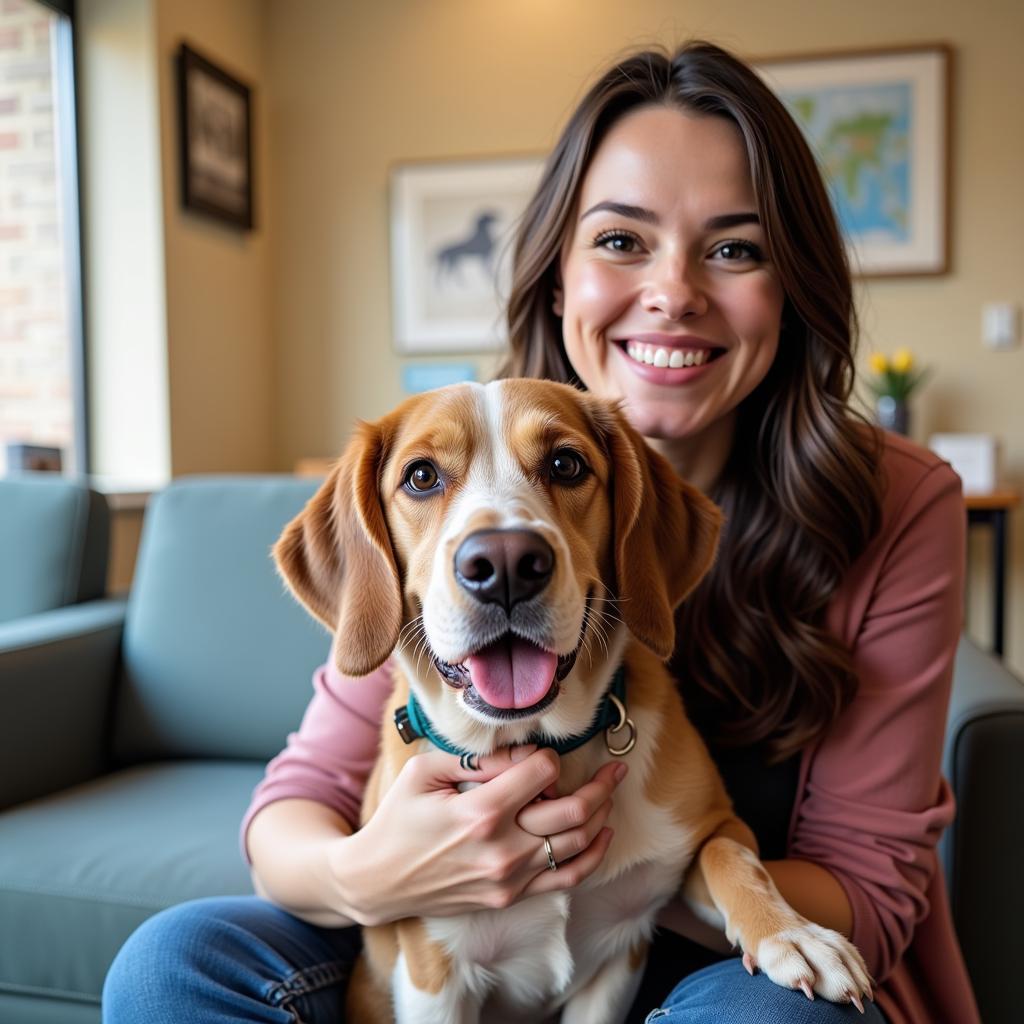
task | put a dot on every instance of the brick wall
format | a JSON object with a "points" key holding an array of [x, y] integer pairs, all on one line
{"points": [[35, 372]]}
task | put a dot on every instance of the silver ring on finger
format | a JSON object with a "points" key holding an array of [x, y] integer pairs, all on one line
{"points": [[552, 863]]}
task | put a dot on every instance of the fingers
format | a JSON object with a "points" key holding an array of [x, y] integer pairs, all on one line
{"points": [[572, 872], [438, 770], [551, 817], [571, 843], [512, 784]]}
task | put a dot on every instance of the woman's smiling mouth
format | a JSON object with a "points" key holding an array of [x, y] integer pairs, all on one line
{"points": [[647, 354], [674, 358]]}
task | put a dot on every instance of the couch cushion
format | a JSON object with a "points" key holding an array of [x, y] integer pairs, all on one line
{"points": [[92, 863], [54, 537], [217, 656]]}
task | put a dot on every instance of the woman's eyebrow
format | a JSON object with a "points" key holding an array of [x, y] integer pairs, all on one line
{"points": [[731, 220], [623, 210], [641, 213]]}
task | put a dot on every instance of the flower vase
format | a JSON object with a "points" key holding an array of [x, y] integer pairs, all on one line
{"points": [[893, 414]]}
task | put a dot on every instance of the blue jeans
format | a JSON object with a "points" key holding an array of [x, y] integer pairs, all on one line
{"points": [[725, 992], [234, 959]]}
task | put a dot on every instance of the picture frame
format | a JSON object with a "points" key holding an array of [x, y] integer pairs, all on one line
{"points": [[215, 119], [34, 458], [879, 123], [452, 227]]}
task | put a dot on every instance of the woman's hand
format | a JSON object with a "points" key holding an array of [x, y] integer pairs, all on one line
{"points": [[430, 850]]}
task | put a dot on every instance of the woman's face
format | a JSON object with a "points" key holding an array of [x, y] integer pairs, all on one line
{"points": [[667, 296]]}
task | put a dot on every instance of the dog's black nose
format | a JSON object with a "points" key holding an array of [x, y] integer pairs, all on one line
{"points": [[504, 566]]}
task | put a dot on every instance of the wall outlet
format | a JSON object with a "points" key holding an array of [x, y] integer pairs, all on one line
{"points": [[1000, 325]]}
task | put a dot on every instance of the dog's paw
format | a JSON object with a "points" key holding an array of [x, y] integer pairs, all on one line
{"points": [[813, 959]]}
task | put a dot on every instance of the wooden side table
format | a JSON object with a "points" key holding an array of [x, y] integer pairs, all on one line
{"points": [[992, 510]]}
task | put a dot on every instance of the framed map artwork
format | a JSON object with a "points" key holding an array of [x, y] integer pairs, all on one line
{"points": [[878, 122]]}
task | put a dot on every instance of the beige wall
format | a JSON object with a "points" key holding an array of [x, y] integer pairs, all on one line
{"points": [[353, 88], [219, 341]]}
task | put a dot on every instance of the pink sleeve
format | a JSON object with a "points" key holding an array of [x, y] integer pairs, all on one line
{"points": [[329, 759], [874, 804]]}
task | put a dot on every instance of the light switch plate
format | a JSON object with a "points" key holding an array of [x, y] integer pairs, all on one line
{"points": [[1000, 325]]}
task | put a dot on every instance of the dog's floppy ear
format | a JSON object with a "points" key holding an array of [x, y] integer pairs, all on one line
{"points": [[336, 557], [666, 535]]}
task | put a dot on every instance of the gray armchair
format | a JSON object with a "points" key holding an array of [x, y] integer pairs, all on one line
{"points": [[134, 733], [54, 538], [984, 848]]}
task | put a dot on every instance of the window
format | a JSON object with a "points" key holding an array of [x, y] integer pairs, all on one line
{"points": [[42, 401]]}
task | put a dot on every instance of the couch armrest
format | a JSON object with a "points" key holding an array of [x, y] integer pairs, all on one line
{"points": [[983, 848], [56, 677]]}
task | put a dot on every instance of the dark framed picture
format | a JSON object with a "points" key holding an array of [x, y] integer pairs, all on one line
{"points": [[216, 140]]}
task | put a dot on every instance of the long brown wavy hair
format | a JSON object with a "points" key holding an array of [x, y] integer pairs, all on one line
{"points": [[800, 490]]}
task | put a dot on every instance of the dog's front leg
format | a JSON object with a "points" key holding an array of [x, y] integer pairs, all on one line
{"points": [[607, 997], [444, 1003], [609, 934], [792, 951]]}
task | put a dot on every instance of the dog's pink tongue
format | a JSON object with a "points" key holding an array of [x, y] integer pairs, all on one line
{"points": [[512, 673]]}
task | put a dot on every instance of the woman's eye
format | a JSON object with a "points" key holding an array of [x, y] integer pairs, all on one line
{"points": [[422, 476], [617, 241], [568, 467], [734, 251]]}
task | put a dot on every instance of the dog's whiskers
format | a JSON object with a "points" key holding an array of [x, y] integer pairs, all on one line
{"points": [[422, 648], [411, 624], [587, 650], [410, 627], [601, 635], [414, 632]]}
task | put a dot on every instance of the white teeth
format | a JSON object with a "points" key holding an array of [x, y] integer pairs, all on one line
{"points": [[674, 358]]}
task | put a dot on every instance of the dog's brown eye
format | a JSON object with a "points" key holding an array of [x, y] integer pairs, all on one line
{"points": [[568, 467], [421, 477]]}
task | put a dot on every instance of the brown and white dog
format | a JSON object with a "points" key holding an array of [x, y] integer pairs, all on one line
{"points": [[524, 542]]}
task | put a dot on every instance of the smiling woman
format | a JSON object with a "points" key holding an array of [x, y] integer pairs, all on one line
{"points": [[682, 213], [667, 261]]}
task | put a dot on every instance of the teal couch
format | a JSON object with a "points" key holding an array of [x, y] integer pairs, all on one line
{"points": [[134, 733]]}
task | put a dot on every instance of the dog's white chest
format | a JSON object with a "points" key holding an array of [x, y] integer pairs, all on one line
{"points": [[536, 956], [507, 960]]}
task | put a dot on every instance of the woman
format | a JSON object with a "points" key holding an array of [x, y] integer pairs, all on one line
{"points": [[680, 254]]}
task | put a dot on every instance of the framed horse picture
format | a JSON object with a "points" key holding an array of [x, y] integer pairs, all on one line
{"points": [[452, 227]]}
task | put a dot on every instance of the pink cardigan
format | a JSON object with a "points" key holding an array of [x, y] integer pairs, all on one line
{"points": [[870, 804]]}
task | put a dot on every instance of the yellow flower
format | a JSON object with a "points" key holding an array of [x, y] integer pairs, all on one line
{"points": [[902, 360], [878, 362]]}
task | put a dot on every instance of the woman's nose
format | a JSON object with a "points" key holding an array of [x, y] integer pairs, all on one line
{"points": [[674, 291]]}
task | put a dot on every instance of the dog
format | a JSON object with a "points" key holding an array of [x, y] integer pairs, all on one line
{"points": [[535, 548]]}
